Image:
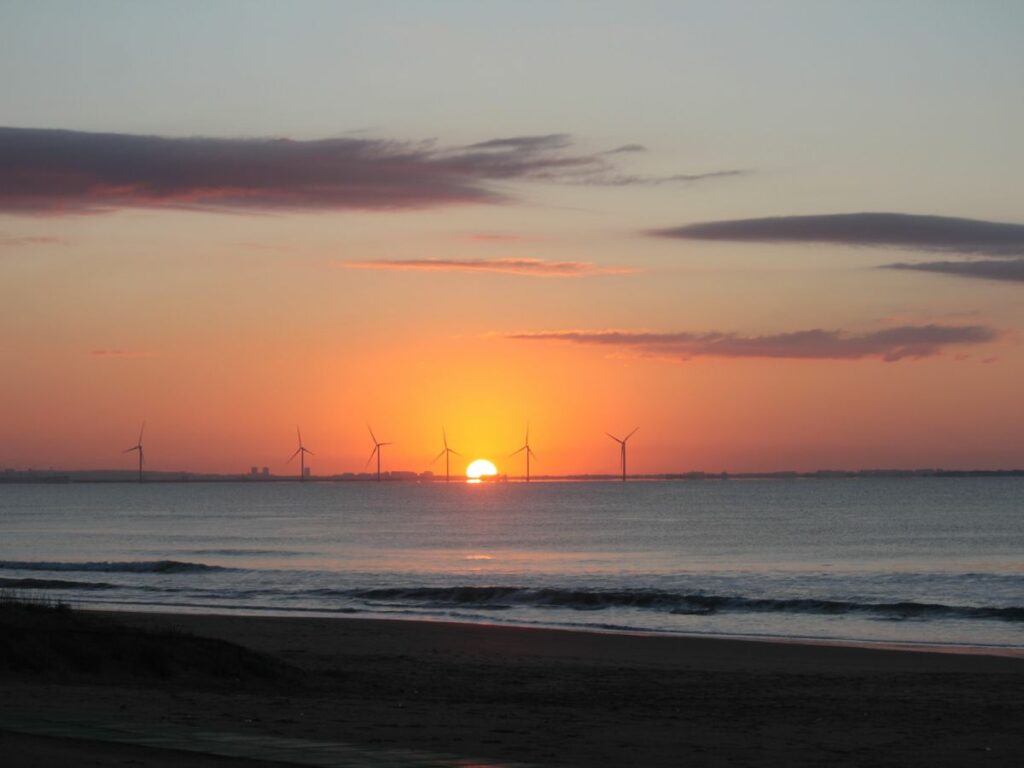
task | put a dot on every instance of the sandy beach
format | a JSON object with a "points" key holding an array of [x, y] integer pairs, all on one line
{"points": [[534, 696]]}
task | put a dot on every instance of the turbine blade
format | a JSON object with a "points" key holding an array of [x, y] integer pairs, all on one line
{"points": [[380, 444], [450, 450], [129, 450], [442, 453], [444, 436], [372, 454], [613, 437], [372, 436], [630, 435], [532, 453], [299, 433], [141, 430], [519, 451], [306, 450], [297, 451]]}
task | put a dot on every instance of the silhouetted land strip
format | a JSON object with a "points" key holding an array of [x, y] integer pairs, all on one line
{"points": [[537, 696], [123, 476]]}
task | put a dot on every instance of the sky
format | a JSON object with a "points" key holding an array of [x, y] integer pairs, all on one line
{"points": [[770, 236]]}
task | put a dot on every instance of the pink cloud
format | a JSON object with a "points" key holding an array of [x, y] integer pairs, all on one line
{"points": [[889, 344], [532, 267]]}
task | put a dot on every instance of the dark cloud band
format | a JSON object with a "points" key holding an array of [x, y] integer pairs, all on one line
{"points": [[1010, 270], [889, 344], [54, 171], [897, 230]]}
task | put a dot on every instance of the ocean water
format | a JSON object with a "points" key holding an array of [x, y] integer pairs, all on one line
{"points": [[893, 560]]}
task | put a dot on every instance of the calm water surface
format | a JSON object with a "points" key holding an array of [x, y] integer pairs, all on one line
{"points": [[921, 560]]}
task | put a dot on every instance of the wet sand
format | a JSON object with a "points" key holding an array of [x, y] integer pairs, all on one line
{"points": [[550, 697]]}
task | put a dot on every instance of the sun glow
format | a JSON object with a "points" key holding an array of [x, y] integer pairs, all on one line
{"points": [[479, 469]]}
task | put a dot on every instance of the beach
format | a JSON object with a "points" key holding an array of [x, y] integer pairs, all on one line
{"points": [[503, 695]]}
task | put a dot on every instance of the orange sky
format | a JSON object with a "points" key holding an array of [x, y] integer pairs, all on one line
{"points": [[223, 349], [162, 260]]}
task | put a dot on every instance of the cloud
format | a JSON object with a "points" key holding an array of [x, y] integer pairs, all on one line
{"points": [[528, 143], [494, 237], [889, 344], [897, 230], [627, 148], [534, 267], [13, 242], [1011, 270], [59, 171], [119, 353], [622, 180]]}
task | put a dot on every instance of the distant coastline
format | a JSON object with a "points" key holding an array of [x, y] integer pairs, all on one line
{"points": [[53, 476]]}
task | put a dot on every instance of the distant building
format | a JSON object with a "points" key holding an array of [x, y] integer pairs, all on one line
{"points": [[254, 471], [266, 472], [307, 471]]}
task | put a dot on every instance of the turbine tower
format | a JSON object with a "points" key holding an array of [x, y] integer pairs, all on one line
{"points": [[138, 447], [622, 450], [301, 452], [446, 453], [376, 450], [529, 452]]}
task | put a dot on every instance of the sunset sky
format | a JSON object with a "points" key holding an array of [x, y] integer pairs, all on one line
{"points": [[772, 236]]}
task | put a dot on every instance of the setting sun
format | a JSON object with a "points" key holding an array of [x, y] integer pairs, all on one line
{"points": [[481, 468]]}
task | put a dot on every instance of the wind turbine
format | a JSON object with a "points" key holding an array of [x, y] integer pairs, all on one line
{"points": [[529, 452], [376, 450], [138, 447], [446, 453], [622, 450], [301, 452]]}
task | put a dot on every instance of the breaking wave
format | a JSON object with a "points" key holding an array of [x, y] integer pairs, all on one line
{"points": [[143, 566], [497, 598], [18, 584]]}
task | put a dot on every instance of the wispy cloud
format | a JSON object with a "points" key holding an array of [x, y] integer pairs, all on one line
{"points": [[530, 267], [56, 171], [120, 353], [889, 344], [494, 237], [14, 242], [1011, 270], [627, 148], [897, 230]]}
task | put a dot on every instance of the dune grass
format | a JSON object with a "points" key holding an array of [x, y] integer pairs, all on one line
{"points": [[43, 636]]}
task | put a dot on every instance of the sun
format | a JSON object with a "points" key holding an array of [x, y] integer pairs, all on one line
{"points": [[479, 469]]}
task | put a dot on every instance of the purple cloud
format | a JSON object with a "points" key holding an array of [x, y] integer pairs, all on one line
{"points": [[1011, 270], [897, 230], [56, 171], [890, 344]]}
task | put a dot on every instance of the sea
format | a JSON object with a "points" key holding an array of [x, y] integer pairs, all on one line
{"points": [[922, 561]]}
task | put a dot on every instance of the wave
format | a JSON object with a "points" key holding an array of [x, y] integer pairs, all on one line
{"points": [[143, 566], [499, 598], [52, 584]]}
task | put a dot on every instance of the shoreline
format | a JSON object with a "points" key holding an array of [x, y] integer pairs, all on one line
{"points": [[538, 696], [965, 649], [663, 646]]}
